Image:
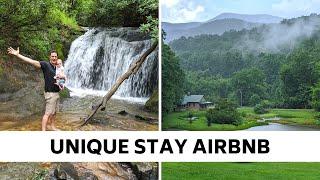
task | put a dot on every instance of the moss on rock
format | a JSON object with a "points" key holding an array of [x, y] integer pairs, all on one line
{"points": [[152, 103]]}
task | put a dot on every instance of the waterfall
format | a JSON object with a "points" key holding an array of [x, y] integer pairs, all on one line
{"points": [[100, 56]]}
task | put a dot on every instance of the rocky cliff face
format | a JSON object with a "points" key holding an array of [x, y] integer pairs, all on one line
{"points": [[21, 89]]}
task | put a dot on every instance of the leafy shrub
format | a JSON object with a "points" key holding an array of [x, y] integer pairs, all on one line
{"points": [[65, 93], [316, 97], [254, 100], [262, 108], [317, 118], [225, 112]]}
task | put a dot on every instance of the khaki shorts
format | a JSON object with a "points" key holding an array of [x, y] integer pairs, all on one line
{"points": [[52, 102]]}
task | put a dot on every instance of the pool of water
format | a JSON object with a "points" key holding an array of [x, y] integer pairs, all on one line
{"points": [[281, 127]]}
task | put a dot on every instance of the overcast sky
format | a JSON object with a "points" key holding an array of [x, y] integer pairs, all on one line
{"points": [[178, 11]]}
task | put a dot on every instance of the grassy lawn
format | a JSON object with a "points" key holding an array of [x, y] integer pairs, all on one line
{"points": [[245, 171], [303, 117], [179, 120]]}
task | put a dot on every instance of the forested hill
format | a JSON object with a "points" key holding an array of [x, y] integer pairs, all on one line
{"points": [[217, 25], [213, 27], [256, 18], [279, 63], [179, 26]]}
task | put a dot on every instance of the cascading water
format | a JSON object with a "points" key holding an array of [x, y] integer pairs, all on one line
{"points": [[100, 56]]}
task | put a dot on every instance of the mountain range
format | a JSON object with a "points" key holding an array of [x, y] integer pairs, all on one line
{"points": [[217, 25]]}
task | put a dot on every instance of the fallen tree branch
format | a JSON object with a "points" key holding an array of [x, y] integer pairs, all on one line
{"points": [[133, 69]]}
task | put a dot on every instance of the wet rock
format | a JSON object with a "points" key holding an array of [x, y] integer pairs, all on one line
{"points": [[140, 117], [153, 102], [123, 113], [89, 176], [145, 170], [99, 121], [59, 174], [127, 33], [5, 97], [21, 89], [93, 107], [79, 171], [66, 169], [147, 119], [74, 108], [112, 171]]}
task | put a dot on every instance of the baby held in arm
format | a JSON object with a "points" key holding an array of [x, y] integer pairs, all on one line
{"points": [[60, 76]]}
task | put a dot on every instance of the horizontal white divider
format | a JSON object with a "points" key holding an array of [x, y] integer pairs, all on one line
{"points": [[168, 146]]}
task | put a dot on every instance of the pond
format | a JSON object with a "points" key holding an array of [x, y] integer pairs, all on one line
{"points": [[281, 127]]}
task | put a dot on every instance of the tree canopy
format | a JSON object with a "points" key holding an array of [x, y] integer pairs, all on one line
{"points": [[173, 80], [41, 25]]}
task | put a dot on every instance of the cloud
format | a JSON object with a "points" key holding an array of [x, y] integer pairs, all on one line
{"points": [[296, 8], [190, 15], [169, 3], [181, 11], [277, 36]]}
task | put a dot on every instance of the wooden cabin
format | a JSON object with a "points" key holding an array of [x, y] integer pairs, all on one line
{"points": [[194, 102]]}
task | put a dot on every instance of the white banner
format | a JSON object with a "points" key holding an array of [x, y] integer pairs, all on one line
{"points": [[168, 146]]}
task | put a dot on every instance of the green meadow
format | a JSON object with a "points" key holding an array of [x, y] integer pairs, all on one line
{"points": [[245, 171], [299, 117]]}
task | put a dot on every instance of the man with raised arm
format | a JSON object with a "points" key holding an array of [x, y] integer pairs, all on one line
{"points": [[51, 90]]}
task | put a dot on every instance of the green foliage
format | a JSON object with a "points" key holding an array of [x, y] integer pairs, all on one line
{"points": [[262, 108], [316, 97], [36, 26], [254, 100], [80, 9], [298, 76], [213, 87], [128, 13], [190, 115], [225, 112], [65, 93], [178, 120], [151, 27], [227, 66], [57, 15], [172, 80], [149, 8], [223, 63], [248, 82], [302, 117]]}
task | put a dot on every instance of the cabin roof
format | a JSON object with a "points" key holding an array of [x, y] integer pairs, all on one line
{"points": [[193, 99]]}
